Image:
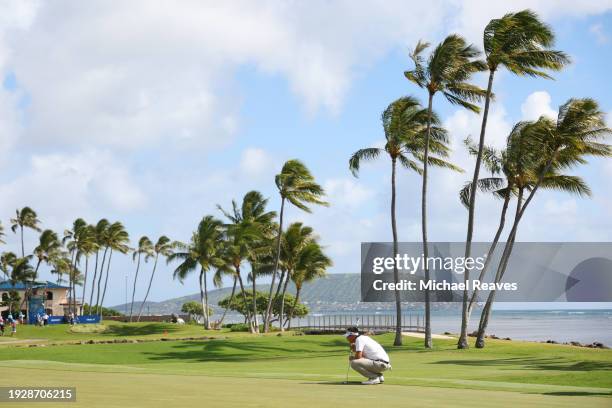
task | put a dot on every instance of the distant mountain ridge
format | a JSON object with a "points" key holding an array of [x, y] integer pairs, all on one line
{"points": [[336, 290], [335, 293]]}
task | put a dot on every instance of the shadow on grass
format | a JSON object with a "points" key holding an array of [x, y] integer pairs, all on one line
{"points": [[555, 364], [233, 351], [334, 383], [577, 393], [152, 328]]}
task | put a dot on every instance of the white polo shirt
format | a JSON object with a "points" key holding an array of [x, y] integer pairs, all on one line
{"points": [[370, 348]]}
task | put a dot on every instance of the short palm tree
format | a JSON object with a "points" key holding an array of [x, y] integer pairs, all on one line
{"points": [[24, 218], [145, 248], [297, 185], [293, 243], [202, 252], [49, 246], [17, 270], [521, 43], [553, 146], [250, 224], [312, 264], [447, 70], [405, 127]]}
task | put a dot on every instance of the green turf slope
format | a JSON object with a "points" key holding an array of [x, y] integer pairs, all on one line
{"points": [[269, 371]]}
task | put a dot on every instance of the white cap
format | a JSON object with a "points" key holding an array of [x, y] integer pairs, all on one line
{"points": [[350, 333]]}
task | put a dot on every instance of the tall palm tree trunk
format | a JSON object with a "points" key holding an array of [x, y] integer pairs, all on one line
{"points": [[22, 247], [71, 276], [486, 311], [508, 249], [247, 312], [93, 284], [295, 303], [148, 288], [398, 303], [100, 279], [255, 320], [500, 228], [231, 299], [204, 298], [462, 343], [134, 287], [424, 224], [268, 315], [84, 284], [281, 281], [282, 305], [106, 280]]}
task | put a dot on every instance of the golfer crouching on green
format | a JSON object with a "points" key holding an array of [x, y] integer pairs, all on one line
{"points": [[370, 359]]}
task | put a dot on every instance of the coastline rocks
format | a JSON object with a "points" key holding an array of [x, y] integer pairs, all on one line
{"points": [[595, 344]]}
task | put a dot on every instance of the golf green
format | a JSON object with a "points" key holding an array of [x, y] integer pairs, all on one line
{"points": [[237, 369]]}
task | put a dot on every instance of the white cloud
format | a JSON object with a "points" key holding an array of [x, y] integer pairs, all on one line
{"points": [[255, 161], [538, 104], [346, 192], [145, 73], [63, 186], [598, 31]]}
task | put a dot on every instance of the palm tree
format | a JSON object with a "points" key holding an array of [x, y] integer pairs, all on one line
{"points": [[261, 260], [117, 239], [145, 247], [101, 231], [312, 264], [7, 259], [49, 246], [2, 233], [162, 247], [60, 265], [253, 211], [88, 245], [203, 252], [17, 270], [404, 124], [293, 243], [521, 43], [250, 224], [295, 184], [72, 239], [553, 146], [496, 162], [448, 68], [24, 218], [221, 271]]}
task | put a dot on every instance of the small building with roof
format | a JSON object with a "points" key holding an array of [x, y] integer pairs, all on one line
{"points": [[44, 297]]}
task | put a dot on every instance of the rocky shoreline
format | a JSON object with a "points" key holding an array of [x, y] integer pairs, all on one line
{"points": [[595, 344]]}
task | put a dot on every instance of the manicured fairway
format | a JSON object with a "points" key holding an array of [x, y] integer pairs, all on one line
{"points": [[268, 371]]}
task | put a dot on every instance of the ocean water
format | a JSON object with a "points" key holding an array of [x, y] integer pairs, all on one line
{"points": [[584, 326]]}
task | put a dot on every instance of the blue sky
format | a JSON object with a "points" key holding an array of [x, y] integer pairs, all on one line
{"points": [[153, 115]]}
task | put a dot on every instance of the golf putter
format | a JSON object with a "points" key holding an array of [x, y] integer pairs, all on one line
{"points": [[348, 368]]}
